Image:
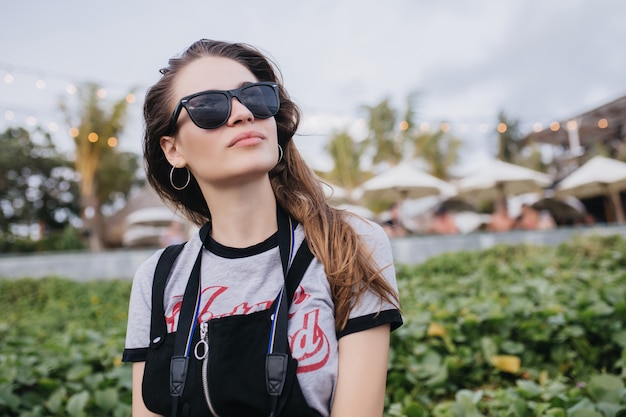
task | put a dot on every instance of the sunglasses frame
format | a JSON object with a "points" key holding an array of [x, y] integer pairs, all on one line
{"points": [[230, 94]]}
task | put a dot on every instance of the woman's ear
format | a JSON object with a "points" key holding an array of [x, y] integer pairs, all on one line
{"points": [[170, 149]]}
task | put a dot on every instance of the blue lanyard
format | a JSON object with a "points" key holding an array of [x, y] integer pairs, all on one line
{"points": [[281, 294]]}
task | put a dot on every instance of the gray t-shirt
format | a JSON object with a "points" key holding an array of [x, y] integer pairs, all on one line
{"points": [[242, 281]]}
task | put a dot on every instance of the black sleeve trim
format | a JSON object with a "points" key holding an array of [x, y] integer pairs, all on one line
{"points": [[358, 324], [135, 355]]}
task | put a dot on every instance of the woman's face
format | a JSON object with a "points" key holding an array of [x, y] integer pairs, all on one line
{"points": [[241, 150]]}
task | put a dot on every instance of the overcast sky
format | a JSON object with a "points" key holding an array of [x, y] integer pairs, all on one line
{"points": [[537, 60]]}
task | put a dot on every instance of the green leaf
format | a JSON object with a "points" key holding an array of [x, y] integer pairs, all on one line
{"points": [[555, 412], [77, 403], [8, 398], [106, 399], [78, 372], [55, 401], [582, 406], [606, 388], [465, 405], [620, 338], [489, 347], [521, 407], [414, 410], [528, 389], [585, 413], [609, 409]]}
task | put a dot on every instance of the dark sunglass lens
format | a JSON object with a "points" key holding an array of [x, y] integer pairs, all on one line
{"points": [[209, 110], [261, 100]]}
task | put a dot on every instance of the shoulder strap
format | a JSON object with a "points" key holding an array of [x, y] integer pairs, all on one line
{"points": [[161, 273], [298, 267], [277, 359]]}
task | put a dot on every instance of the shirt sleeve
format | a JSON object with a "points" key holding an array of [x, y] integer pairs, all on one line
{"points": [[139, 312], [372, 311]]}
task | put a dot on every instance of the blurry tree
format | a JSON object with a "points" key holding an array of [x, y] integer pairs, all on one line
{"points": [[116, 175], [512, 148], [104, 172], [510, 141], [439, 150], [346, 154], [383, 135], [37, 183]]}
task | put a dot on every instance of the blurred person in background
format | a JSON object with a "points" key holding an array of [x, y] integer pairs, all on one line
{"points": [[500, 220], [443, 223]]}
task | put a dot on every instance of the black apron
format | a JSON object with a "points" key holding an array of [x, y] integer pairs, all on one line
{"points": [[230, 366]]}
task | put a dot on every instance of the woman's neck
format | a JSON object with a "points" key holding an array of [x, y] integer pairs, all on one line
{"points": [[242, 216]]}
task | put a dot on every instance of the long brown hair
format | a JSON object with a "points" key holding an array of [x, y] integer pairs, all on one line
{"points": [[349, 266]]}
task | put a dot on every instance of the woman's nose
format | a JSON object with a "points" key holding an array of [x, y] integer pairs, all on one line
{"points": [[239, 112]]}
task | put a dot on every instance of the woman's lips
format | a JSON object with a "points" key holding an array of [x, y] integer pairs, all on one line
{"points": [[247, 139]]}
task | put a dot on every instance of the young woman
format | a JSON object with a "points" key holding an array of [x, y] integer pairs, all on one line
{"points": [[218, 146]]}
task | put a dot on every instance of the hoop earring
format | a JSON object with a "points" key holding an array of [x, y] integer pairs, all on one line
{"points": [[172, 179], [280, 154]]}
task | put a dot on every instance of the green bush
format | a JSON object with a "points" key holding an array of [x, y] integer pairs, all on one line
{"points": [[60, 348], [514, 330], [66, 239], [517, 331]]}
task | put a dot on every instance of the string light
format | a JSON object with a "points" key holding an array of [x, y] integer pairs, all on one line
{"points": [[572, 125], [41, 80], [92, 137], [45, 114]]}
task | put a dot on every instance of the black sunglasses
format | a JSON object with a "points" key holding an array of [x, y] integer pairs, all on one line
{"points": [[211, 109]]}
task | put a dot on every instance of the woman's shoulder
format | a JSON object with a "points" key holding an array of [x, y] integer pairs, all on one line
{"points": [[147, 269], [365, 227]]}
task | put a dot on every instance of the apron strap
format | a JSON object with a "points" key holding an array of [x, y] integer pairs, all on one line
{"points": [[158, 328], [299, 266], [187, 321], [277, 359]]}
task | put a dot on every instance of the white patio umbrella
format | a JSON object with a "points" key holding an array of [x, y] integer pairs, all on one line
{"points": [[598, 176], [500, 179], [404, 181]]}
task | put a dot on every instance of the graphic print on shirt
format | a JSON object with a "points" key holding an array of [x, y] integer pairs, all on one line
{"points": [[308, 343]]}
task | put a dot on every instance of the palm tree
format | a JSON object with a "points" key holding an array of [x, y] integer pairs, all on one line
{"points": [[95, 129], [513, 149], [346, 154], [383, 136], [440, 151]]}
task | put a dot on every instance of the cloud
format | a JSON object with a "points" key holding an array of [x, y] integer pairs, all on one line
{"points": [[537, 60]]}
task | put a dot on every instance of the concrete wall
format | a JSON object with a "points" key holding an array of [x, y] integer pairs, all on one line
{"points": [[121, 264]]}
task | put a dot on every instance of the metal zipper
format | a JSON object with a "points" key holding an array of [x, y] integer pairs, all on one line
{"points": [[204, 344]]}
